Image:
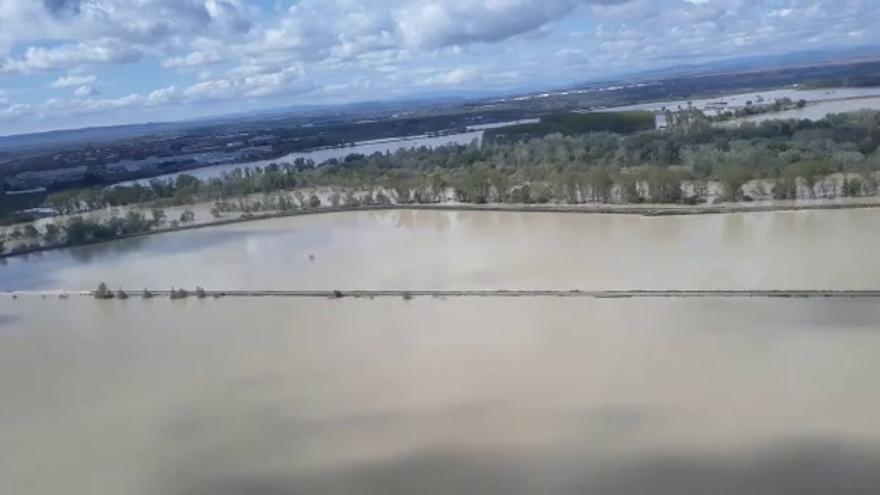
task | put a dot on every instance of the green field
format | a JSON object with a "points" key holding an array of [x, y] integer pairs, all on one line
{"points": [[570, 124]]}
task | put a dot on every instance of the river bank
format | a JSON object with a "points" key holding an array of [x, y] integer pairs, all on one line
{"points": [[647, 210]]}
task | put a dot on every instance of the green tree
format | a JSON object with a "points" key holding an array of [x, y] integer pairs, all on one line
{"points": [[438, 184], [31, 232], [733, 178], [567, 186], [158, 215], [811, 172], [629, 187], [473, 186], [51, 233], [500, 185], [601, 184], [851, 187], [664, 185], [102, 292]]}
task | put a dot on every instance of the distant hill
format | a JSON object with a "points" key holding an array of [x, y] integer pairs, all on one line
{"points": [[90, 134], [752, 63], [296, 115]]}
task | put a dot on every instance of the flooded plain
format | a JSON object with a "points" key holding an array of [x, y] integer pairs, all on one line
{"points": [[818, 110], [272, 396], [391, 145], [460, 250], [820, 102], [555, 395]]}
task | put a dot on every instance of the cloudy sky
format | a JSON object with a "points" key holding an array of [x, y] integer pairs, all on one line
{"points": [[76, 63]]}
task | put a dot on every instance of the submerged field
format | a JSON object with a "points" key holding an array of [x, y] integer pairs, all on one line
{"points": [[271, 396], [555, 395], [468, 250]]}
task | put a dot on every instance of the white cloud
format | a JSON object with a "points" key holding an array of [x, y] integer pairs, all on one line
{"points": [[206, 52], [74, 80], [14, 110], [163, 96], [289, 81], [230, 50], [84, 91], [454, 77], [193, 59], [69, 56], [434, 24]]}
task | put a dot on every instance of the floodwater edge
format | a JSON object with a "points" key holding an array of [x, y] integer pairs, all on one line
{"points": [[646, 211]]}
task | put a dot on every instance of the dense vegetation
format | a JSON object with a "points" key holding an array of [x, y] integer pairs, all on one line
{"points": [[665, 166], [690, 163], [571, 124]]}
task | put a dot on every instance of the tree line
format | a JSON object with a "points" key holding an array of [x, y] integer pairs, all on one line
{"points": [[692, 162], [661, 166]]}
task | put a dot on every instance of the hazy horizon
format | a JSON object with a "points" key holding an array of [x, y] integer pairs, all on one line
{"points": [[85, 63]]}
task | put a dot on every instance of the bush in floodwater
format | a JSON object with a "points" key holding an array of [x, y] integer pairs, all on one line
{"points": [[147, 294], [407, 296], [200, 293], [179, 293], [102, 292], [120, 294]]}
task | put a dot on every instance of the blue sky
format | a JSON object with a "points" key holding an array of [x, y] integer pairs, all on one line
{"points": [[77, 63]]}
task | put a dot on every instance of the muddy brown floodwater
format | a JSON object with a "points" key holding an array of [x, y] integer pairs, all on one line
{"points": [[272, 396], [462, 250], [276, 396]]}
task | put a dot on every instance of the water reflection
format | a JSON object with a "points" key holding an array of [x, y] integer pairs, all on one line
{"points": [[802, 468], [6, 320], [732, 228], [416, 249], [555, 396], [86, 254]]}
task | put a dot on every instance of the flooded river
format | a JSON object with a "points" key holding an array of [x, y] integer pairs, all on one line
{"points": [[819, 110], [472, 134], [268, 396], [825, 100], [481, 250], [459, 396]]}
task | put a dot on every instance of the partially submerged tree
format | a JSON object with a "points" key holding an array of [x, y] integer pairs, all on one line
{"points": [[158, 215], [732, 178], [187, 216], [102, 292], [179, 293]]}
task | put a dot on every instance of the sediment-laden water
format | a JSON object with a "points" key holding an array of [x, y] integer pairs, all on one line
{"points": [[550, 395], [460, 250]]}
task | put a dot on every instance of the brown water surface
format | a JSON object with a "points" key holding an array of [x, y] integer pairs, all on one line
{"points": [[521, 396], [482, 250]]}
